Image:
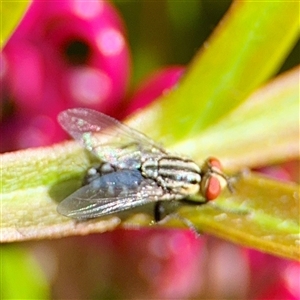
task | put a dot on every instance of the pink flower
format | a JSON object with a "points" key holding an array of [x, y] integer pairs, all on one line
{"points": [[159, 263], [272, 277], [63, 54], [288, 171]]}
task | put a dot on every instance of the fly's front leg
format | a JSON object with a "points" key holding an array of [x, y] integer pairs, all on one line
{"points": [[159, 212], [161, 215]]}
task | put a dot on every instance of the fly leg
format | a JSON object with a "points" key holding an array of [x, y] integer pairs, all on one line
{"points": [[159, 212], [161, 215]]}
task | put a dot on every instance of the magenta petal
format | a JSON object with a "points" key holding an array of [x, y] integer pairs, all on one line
{"points": [[63, 54], [25, 74], [161, 82]]}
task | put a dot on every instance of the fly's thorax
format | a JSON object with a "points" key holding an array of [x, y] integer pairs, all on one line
{"points": [[173, 173]]}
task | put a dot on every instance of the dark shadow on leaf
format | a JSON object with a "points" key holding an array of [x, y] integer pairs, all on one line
{"points": [[61, 190]]}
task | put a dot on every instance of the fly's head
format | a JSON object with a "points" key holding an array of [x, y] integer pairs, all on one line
{"points": [[213, 179]]}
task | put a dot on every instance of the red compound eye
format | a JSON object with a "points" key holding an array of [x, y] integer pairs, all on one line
{"points": [[214, 162], [212, 188]]}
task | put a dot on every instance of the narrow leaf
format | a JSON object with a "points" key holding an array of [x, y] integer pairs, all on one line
{"points": [[248, 46], [263, 130], [262, 213]]}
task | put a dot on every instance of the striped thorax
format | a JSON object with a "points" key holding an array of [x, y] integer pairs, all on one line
{"points": [[176, 174]]}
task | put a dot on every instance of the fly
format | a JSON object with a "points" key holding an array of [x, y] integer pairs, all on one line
{"points": [[133, 170]]}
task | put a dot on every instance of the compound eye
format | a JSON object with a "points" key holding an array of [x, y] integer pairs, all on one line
{"points": [[211, 187], [215, 163]]}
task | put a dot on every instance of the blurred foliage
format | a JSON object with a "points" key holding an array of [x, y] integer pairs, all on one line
{"points": [[178, 27], [21, 275]]}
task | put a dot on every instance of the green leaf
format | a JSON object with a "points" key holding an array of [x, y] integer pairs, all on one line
{"points": [[11, 13], [262, 213], [248, 46]]}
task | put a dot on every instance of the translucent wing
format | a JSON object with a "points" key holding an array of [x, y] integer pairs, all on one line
{"points": [[111, 193], [107, 138]]}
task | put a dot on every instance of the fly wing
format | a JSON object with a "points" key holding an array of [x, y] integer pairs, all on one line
{"points": [[107, 138], [111, 193]]}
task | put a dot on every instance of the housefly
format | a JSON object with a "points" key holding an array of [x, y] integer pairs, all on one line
{"points": [[133, 170]]}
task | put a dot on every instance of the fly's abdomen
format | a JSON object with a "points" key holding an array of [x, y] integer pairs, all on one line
{"points": [[173, 173]]}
